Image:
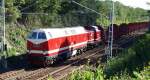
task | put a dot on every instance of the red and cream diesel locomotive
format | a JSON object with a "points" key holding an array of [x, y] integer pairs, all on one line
{"points": [[45, 46]]}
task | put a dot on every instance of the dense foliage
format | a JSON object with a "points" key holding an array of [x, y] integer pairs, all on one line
{"points": [[134, 58], [66, 13], [98, 74]]}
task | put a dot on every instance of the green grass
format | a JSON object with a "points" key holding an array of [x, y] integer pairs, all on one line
{"points": [[88, 74], [16, 37]]}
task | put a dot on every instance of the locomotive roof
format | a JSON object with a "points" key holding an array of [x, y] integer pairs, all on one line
{"points": [[66, 28], [59, 32], [49, 29]]}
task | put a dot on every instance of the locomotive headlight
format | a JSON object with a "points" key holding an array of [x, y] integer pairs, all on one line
{"points": [[44, 52], [29, 51]]}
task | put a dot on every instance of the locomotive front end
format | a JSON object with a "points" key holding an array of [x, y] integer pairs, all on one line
{"points": [[37, 48]]}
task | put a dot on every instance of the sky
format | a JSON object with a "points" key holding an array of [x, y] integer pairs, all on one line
{"points": [[136, 3]]}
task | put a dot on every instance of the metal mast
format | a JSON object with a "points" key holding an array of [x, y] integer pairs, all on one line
{"points": [[149, 19], [109, 46], [4, 41], [108, 49], [3, 24], [2, 35]]}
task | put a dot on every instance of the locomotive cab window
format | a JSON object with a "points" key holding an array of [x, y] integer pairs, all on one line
{"points": [[33, 35], [41, 35]]}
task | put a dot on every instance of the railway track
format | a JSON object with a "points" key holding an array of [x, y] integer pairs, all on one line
{"points": [[35, 74], [63, 72], [17, 75], [9, 74], [56, 70]]}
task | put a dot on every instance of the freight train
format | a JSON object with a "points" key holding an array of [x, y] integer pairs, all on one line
{"points": [[46, 46]]}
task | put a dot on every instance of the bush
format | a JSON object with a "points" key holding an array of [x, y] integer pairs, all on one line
{"points": [[135, 58], [88, 74], [11, 52], [17, 37]]}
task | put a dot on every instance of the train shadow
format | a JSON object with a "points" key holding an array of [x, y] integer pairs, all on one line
{"points": [[63, 63], [13, 63], [16, 63]]}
